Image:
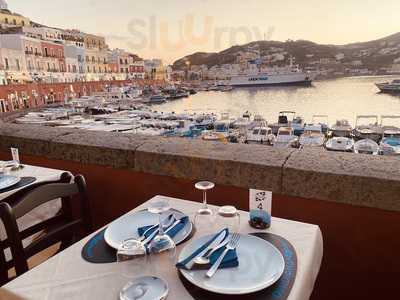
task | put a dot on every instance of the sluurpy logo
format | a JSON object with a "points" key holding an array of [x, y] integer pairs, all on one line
{"points": [[154, 33]]}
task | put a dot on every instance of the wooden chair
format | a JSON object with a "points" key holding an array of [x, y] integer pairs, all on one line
{"points": [[63, 227]]}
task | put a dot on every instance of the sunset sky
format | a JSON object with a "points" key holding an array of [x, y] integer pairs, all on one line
{"points": [[163, 28]]}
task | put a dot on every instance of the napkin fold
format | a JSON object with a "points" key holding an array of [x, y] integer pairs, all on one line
{"points": [[171, 233], [230, 260]]}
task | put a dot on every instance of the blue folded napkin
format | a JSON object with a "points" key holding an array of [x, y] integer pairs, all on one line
{"points": [[230, 260], [171, 233]]}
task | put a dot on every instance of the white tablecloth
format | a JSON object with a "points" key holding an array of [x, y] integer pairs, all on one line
{"points": [[68, 276], [41, 213]]}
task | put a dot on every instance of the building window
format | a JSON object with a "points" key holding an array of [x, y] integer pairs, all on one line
{"points": [[88, 69], [74, 68], [23, 23], [121, 61], [48, 67], [36, 51], [122, 70], [18, 65], [15, 22], [46, 52], [29, 65], [87, 58], [69, 68], [6, 20], [54, 67], [93, 60], [6, 63]]}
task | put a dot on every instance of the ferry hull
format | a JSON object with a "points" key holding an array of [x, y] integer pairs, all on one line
{"points": [[295, 83]]}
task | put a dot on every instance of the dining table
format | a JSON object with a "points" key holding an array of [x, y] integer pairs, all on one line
{"points": [[68, 276], [39, 214]]}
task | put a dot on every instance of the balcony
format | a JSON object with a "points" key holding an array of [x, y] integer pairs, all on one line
{"points": [[353, 198]]}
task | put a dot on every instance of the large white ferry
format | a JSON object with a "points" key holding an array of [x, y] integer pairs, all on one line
{"points": [[288, 75]]}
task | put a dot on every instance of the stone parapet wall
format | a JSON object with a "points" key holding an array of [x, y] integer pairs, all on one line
{"points": [[360, 180]]}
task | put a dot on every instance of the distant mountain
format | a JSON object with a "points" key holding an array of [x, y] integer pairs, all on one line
{"points": [[372, 54]]}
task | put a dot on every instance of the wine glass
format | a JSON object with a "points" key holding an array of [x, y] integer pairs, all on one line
{"points": [[162, 241], [204, 217]]}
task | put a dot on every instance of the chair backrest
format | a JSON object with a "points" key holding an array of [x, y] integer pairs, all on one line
{"points": [[63, 227]]}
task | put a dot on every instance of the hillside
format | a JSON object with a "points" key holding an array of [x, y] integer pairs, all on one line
{"points": [[373, 54]]}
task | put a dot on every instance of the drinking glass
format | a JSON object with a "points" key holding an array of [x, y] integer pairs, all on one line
{"points": [[161, 242], [134, 260], [228, 217], [204, 218]]}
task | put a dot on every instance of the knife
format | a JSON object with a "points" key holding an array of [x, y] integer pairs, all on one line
{"points": [[215, 243]]}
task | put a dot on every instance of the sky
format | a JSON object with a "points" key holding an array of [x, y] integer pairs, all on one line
{"points": [[171, 29]]}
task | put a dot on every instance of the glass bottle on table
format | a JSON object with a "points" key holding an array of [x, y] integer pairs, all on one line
{"points": [[204, 218]]}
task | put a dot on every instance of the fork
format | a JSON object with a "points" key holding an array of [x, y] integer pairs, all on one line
{"points": [[233, 242]]}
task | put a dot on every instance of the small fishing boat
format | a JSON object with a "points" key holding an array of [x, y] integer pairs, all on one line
{"points": [[312, 136], [260, 135], [285, 119], [286, 138], [323, 121], [298, 125], [389, 87], [342, 128], [371, 130], [340, 143], [366, 146]]}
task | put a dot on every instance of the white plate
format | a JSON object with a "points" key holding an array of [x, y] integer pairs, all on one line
{"points": [[126, 227], [260, 266], [7, 181]]}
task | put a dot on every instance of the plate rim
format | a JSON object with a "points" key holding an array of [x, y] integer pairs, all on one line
{"points": [[17, 179], [246, 291], [112, 245]]}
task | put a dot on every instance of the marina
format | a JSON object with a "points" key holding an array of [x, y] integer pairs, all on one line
{"points": [[130, 110]]}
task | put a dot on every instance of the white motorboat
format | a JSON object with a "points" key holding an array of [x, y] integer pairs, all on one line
{"points": [[286, 138], [389, 87], [260, 135], [312, 136], [341, 144], [366, 146], [322, 120], [285, 119], [342, 128], [370, 130]]}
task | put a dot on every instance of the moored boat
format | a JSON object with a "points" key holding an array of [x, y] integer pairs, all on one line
{"points": [[286, 138], [389, 87], [260, 135], [371, 130], [312, 136], [342, 128], [366, 146], [341, 144]]}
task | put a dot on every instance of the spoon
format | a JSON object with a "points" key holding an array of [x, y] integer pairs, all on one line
{"points": [[205, 259]]}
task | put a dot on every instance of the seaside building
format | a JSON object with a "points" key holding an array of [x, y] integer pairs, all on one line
{"points": [[95, 57], [12, 57], [54, 61], [9, 19]]}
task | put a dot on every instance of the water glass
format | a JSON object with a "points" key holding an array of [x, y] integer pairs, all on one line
{"points": [[228, 217]]}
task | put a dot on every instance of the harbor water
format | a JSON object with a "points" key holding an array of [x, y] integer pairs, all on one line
{"points": [[342, 98]]}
